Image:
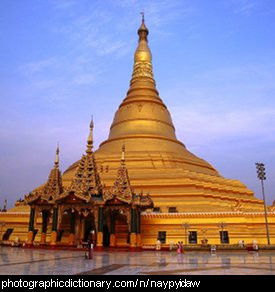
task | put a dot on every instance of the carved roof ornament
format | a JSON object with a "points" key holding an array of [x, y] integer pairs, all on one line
{"points": [[86, 181], [122, 187], [144, 201], [52, 188]]}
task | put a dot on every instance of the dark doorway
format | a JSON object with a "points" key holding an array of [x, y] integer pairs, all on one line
{"points": [[224, 236], [106, 236], [162, 236], [193, 237], [89, 227]]}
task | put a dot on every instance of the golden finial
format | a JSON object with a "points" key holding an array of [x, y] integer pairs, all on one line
{"points": [[56, 162], [92, 123], [90, 137], [143, 30], [142, 14]]}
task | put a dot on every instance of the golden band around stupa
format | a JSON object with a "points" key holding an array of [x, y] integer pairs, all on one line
{"points": [[140, 185]]}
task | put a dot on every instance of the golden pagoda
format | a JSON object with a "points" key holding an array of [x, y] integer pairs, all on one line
{"points": [[192, 201]]}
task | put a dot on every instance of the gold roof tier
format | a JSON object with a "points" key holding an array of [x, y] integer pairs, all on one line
{"points": [[157, 162]]}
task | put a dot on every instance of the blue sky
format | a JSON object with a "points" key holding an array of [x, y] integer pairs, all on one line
{"points": [[64, 60]]}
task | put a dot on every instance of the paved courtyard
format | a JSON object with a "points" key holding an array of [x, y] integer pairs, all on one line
{"points": [[18, 261]]}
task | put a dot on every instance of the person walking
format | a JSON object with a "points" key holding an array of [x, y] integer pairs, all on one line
{"points": [[90, 249], [179, 247]]}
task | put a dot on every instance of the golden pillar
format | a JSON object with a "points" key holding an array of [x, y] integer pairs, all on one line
{"points": [[100, 227]]}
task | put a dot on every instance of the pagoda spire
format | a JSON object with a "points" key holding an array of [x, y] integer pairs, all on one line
{"points": [[56, 162], [90, 138], [143, 56]]}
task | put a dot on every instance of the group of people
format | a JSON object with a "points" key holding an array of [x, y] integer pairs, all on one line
{"points": [[180, 248]]}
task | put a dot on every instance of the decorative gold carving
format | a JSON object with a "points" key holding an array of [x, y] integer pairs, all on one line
{"points": [[86, 180], [143, 69], [237, 207]]}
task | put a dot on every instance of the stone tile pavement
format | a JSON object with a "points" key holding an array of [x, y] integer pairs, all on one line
{"points": [[20, 261]]}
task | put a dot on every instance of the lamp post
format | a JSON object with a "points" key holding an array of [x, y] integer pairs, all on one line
{"points": [[222, 225], [261, 175], [186, 226]]}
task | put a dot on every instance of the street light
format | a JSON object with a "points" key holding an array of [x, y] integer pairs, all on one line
{"points": [[261, 175], [222, 225], [186, 226]]}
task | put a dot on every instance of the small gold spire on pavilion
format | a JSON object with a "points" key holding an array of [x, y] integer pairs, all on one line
{"points": [[90, 138], [56, 162]]}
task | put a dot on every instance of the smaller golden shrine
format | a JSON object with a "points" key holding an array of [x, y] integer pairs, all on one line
{"points": [[86, 209]]}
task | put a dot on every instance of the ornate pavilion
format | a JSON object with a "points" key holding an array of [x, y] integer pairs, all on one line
{"points": [[85, 208], [193, 202]]}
